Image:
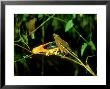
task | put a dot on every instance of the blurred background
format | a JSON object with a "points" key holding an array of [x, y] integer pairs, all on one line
{"points": [[32, 30]]}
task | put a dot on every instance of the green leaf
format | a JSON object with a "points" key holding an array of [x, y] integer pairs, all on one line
{"points": [[24, 38], [83, 48], [89, 69], [32, 36], [40, 16], [69, 25], [92, 45], [25, 17]]}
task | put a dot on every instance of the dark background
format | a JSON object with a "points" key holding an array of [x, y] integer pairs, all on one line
{"points": [[37, 65]]}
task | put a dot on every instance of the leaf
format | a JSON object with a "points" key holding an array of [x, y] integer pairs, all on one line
{"points": [[40, 16], [32, 36], [31, 25], [69, 25], [92, 45], [83, 48], [89, 69], [25, 17], [25, 39]]}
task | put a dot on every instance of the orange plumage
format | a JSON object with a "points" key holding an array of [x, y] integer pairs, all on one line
{"points": [[38, 49]]}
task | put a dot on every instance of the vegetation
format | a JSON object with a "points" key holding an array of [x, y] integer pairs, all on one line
{"points": [[55, 44]]}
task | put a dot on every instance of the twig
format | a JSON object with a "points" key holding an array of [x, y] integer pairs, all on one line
{"points": [[23, 40], [88, 57], [74, 29], [18, 40], [22, 48], [81, 36], [23, 58], [80, 62], [70, 59], [42, 24], [58, 19], [77, 62]]}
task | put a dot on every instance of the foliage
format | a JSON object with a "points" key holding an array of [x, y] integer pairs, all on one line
{"points": [[69, 25], [33, 30]]}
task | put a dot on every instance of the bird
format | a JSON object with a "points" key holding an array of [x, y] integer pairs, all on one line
{"points": [[63, 45]]}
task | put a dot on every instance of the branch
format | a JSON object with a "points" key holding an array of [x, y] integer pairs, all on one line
{"points": [[42, 24]]}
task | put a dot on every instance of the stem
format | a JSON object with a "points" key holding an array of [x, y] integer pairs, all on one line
{"points": [[23, 39], [22, 48], [58, 19], [79, 61], [70, 59], [88, 57], [22, 58], [74, 29], [18, 40], [81, 36], [88, 69], [42, 24]]}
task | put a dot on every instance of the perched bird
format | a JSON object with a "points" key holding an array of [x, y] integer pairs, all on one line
{"points": [[63, 45], [39, 49]]}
